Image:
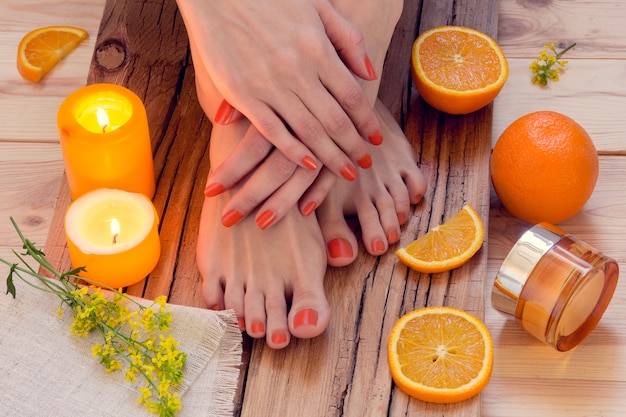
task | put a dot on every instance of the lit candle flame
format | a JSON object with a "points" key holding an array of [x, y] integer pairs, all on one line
{"points": [[115, 229], [103, 119]]}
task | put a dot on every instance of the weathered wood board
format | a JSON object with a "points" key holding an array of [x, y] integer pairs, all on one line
{"points": [[143, 46]]}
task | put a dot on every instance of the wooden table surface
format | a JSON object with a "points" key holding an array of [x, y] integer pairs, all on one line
{"points": [[529, 378]]}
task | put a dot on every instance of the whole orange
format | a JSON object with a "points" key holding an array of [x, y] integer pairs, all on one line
{"points": [[544, 167]]}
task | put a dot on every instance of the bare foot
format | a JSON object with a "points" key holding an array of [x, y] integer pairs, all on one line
{"points": [[272, 279], [381, 198]]}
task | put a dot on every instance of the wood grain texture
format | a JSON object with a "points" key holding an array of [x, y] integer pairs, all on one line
{"points": [[138, 48], [597, 27], [529, 378]]}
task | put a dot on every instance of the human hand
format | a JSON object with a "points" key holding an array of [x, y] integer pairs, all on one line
{"points": [[267, 180], [281, 64]]}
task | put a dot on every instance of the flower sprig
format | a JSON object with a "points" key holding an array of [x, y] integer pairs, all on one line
{"points": [[549, 64], [137, 338]]}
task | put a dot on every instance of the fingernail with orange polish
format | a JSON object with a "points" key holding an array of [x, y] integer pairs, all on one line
{"points": [[309, 208], [307, 316], [224, 114], [232, 217], [376, 138], [340, 248], [266, 219], [349, 172], [309, 163], [214, 189], [365, 162], [370, 68]]}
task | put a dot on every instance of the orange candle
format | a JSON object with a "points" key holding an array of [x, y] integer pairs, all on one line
{"points": [[105, 141], [114, 235]]}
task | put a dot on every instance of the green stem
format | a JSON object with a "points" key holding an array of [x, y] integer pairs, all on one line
{"points": [[560, 54], [122, 354]]}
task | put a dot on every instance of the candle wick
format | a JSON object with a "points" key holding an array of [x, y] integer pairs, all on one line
{"points": [[115, 239], [104, 128]]}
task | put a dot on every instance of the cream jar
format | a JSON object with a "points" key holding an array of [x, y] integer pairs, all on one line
{"points": [[556, 286]]}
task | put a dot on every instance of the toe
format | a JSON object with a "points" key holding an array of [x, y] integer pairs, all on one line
{"points": [[375, 220], [277, 333], [254, 304], [212, 293], [234, 300], [341, 244], [310, 313]]}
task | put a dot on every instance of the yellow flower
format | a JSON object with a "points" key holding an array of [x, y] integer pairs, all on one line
{"points": [[548, 66]]}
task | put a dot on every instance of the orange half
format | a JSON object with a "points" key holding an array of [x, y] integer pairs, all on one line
{"points": [[41, 49], [440, 354], [458, 70]]}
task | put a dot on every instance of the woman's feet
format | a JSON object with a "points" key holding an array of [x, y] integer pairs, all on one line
{"points": [[380, 198], [273, 278]]}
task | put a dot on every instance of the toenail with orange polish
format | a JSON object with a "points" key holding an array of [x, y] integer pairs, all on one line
{"points": [[242, 323], [266, 219], [349, 172], [231, 217], [402, 218], [340, 248], [392, 236], [376, 138], [214, 189], [309, 208], [307, 316], [216, 307], [279, 338], [365, 162], [309, 163], [378, 246], [257, 327]]}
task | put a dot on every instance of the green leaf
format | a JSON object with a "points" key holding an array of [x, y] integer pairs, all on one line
{"points": [[10, 284]]}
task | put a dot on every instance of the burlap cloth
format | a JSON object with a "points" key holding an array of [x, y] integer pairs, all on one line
{"points": [[47, 372]]}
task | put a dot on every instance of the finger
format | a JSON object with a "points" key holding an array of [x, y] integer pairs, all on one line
{"points": [[315, 195], [338, 127], [264, 181], [348, 42], [285, 197], [247, 155]]}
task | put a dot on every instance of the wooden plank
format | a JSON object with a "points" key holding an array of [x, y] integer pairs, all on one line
{"points": [[26, 106], [596, 26], [590, 379], [588, 92], [343, 372]]}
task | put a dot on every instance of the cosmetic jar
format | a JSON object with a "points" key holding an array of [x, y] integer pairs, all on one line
{"points": [[556, 286]]}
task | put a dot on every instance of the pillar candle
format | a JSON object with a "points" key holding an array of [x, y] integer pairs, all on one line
{"points": [[114, 235], [105, 141]]}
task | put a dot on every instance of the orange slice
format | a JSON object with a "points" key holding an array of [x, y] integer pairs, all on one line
{"points": [[448, 245], [458, 70], [440, 354], [40, 49]]}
